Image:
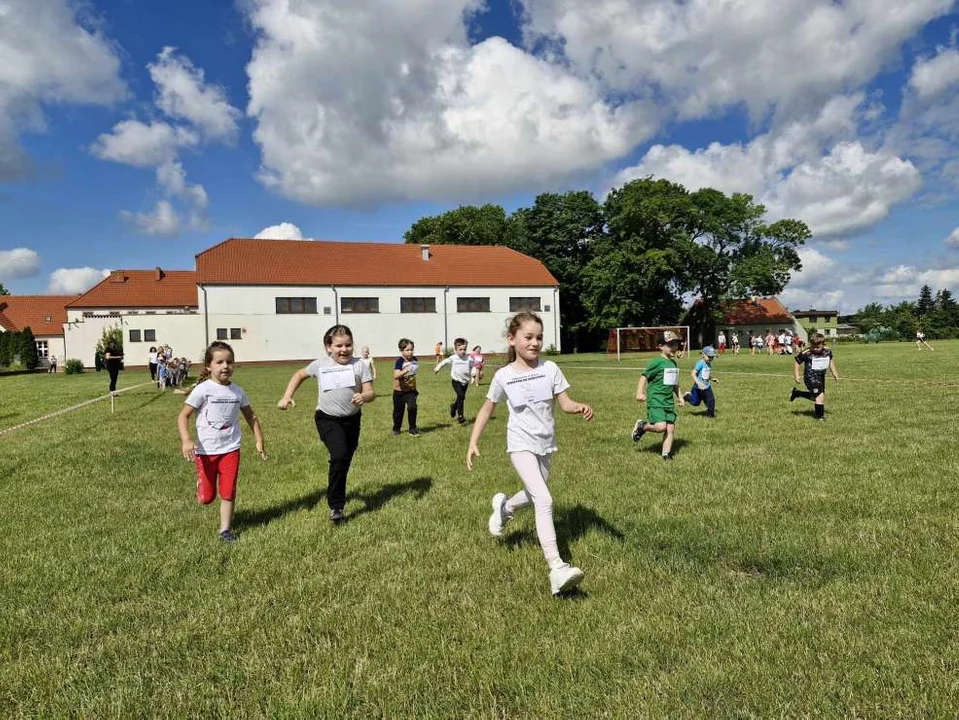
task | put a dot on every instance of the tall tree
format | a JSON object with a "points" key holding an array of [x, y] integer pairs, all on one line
{"points": [[29, 357], [559, 231], [635, 274], [3, 290], [925, 304], [466, 225]]}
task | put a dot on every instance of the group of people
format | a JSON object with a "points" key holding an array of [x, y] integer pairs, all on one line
{"points": [[530, 386], [785, 342], [166, 370]]}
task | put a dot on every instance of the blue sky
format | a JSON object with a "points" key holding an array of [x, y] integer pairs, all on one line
{"points": [[137, 134]]}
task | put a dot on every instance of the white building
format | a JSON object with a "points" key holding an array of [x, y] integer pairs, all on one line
{"points": [[273, 300]]}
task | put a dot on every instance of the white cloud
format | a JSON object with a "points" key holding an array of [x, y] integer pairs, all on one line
{"points": [[810, 169], [132, 142], [931, 77], [387, 100], [172, 179], [183, 94], [47, 56], [73, 281], [164, 219], [701, 55], [952, 240], [18, 263], [283, 231]]}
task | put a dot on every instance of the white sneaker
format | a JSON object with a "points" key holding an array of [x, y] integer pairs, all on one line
{"points": [[499, 517], [564, 578]]}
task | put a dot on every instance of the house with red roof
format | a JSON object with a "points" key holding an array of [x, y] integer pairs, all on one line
{"points": [[45, 315], [273, 299], [757, 315]]}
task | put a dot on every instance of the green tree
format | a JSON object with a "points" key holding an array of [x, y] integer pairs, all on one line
{"points": [[559, 231], [635, 274], [869, 317], [7, 342], [925, 304], [99, 354], [3, 290], [466, 225], [29, 357]]}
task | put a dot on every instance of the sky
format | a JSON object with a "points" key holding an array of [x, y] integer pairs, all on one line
{"points": [[136, 134]]}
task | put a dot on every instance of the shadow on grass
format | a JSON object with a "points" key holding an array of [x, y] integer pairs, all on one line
{"points": [[373, 501], [432, 428], [571, 525], [252, 518], [657, 446], [807, 413]]}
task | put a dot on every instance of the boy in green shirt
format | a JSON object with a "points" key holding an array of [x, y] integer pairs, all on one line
{"points": [[661, 379]]}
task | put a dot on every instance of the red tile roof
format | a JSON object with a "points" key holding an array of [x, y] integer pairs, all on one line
{"points": [[762, 311], [311, 262], [20, 311], [141, 289]]}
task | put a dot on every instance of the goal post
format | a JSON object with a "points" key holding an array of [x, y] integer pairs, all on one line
{"points": [[641, 339]]}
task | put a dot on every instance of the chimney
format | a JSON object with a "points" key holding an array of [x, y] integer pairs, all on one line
{"points": [[425, 250], [116, 276], [160, 274]]}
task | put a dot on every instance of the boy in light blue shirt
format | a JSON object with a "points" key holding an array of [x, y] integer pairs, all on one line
{"points": [[703, 378]]}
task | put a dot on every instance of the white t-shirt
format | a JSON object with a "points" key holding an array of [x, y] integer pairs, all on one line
{"points": [[153, 358], [217, 416], [529, 396], [369, 364], [459, 367], [337, 383]]}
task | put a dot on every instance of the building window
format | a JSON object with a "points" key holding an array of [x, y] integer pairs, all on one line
{"points": [[41, 348], [327, 310], [418, 305], [296, 306], [812, 319], [149, 336], [518, 304], [472, 304], [236, 334], [134, 336], [359, 305], [222, 334]]}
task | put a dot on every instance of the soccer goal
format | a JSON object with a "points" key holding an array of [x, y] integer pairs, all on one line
{"points": [[641, 339]]}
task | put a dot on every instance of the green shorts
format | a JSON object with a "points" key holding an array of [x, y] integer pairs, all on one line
{"points": [[658, 415]]}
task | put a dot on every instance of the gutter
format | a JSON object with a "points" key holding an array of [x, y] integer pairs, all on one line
{"points": [[206, 316]]}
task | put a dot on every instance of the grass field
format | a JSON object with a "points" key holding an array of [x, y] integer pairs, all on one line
{"points": [[777, 566]]}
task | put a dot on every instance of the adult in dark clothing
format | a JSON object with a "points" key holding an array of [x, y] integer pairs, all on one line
{"points": [[113, 357]]}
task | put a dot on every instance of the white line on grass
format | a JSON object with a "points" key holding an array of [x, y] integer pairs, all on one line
{"points": [[69, 409]]}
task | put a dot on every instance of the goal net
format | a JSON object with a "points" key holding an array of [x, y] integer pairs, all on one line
{"points": [[642, 339]]}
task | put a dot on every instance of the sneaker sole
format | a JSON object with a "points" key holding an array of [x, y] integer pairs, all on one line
{"points": [[496, 503], [571, 582]]}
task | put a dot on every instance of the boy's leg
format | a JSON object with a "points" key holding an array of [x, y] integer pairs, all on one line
{"points": [[693, 396], [460, 390], [411, 408], [668, 440], [820, 406], [710, 402], [399, 404]]}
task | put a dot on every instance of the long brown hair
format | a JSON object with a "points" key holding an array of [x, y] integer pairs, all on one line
{"points": [[512, 327], [208, 358]]}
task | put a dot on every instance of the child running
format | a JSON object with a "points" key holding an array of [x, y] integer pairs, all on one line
{"points": [[344, 384], [661, 378], [460, 366], [703, 380], [816, 360], [404, 387], [476, 374], [529, 386], [218, 403]]}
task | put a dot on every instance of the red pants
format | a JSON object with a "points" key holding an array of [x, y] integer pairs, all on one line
{"points": [[213, 470]]}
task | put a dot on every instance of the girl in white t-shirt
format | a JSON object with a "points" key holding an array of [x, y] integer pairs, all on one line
{"points": [[218, 403], [529, 386]]}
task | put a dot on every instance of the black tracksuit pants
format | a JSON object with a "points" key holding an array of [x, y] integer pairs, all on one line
{"points": [[341, 435]]}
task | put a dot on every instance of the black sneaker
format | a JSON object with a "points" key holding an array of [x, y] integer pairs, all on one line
{"points": [[336, 515], [462, 420], [414, 432], [668, 457], [453, 409], [396, 432], [792, 394], [639, 430], [227, 536], [688, 397]]}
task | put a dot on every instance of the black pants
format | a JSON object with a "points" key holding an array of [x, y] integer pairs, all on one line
{"points": [[113, 367], [153, 371], [460, 390], [404, 400], [341, 435]]}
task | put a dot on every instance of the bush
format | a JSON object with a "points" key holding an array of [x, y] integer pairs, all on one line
{"points": [[551, 350], [74, 366]]}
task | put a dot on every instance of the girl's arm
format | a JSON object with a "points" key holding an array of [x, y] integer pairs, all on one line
{"points": [[187, 446], [254, 422], [479, 425], [641, 389], [570, 406], [832, 368], [373, 370], [366, 395], [287, 400]]}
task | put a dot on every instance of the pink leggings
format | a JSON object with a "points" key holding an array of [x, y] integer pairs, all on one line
{"points": [[534, 471]]}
